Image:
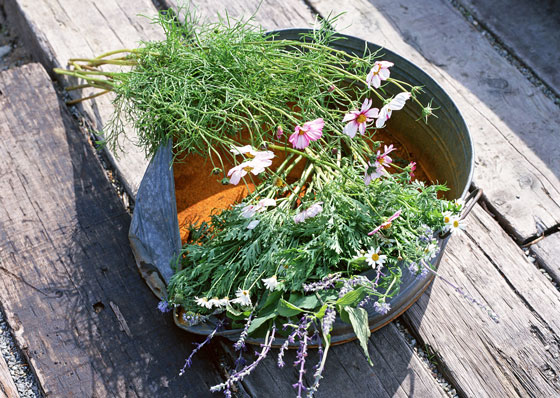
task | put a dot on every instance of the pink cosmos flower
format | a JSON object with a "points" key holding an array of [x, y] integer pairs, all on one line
{"points": [[312, 211], [378, 73], [377, 169], [359, 119], [386, 224], [310, 131], [396, 104], [254, 166], [412, 168]]}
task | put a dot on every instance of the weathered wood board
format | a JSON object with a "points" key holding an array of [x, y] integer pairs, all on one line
{"points": [[7, 387], [547, 252], [397, 371], [515, 164], [56, 31], [69, 283], [519, 356], [528, 29]]}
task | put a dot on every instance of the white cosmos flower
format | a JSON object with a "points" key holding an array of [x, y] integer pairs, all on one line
{"points": [[374, 258], [203, 302], [271, 283], [243, 297], [396, 104], [312, 211], [250, 210]]}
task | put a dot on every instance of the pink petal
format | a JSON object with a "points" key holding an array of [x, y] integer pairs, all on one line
{"points": [[294, 136], [394, 216], [374, 231], [366, 105], [350, 116], [316, 124], [384, 74], [369, 77], [314, 135], [350, 129], [362, 128], [372, 113], [385, 64], [302, 141], [237, 176], [376, 81], [398, 102]]}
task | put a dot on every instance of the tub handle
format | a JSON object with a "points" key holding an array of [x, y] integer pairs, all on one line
{"points": [[470, 201]]}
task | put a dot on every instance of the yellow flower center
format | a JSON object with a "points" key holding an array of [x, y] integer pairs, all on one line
{"points": [[245, 292], [375, 256], [446, 219], [386, 226], [361, 118], [247, 168], [250, 155], [456, 224]]}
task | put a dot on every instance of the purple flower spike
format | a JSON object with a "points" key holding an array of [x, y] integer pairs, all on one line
{"points": [[164, 306]]}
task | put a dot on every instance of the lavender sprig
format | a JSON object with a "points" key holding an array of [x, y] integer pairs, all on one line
{"points": [[328, 320], [327, 282], [300, 360], [284, 347], [238, 376], [464, 294], [240, 344], [188, 362]]}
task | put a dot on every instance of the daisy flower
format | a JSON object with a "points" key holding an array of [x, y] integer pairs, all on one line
{"points": [[203, 302], [357, 120], [310, 131], [243, 297], [378, 73], [396, 104], [456, 225], [447, 216], [374, 258], [431, 251], [271, 283], [387, 223]]}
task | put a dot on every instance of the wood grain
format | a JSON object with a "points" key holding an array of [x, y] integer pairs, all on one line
{"points": [[69, 284], [547, 252], [526, 29], [55, 31], [517, 357], [514, 162], [7, 387]]}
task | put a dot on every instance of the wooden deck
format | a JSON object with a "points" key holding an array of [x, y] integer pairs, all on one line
{"points": [[87, 322]]}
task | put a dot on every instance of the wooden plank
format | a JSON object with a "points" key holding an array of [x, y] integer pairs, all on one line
{"points": [[515, 164], [526, 29], [519, 356], [547, 252], [7, 387], [58, 30], [397, 371], [69, 281]]}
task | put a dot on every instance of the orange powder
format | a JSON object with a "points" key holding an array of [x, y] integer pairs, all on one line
{"points": [[199, 193]]}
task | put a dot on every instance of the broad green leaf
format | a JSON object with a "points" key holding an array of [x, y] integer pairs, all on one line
{"points": [[272, 299], [306, 302], [352, 297], [287, 309], [321, 313], [258, 322], [359, 321]]}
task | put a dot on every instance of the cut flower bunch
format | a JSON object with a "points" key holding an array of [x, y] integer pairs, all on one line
{"points": [[330, 222]]}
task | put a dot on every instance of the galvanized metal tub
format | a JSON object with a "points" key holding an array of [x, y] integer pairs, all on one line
{"points": [[444, 145]]}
